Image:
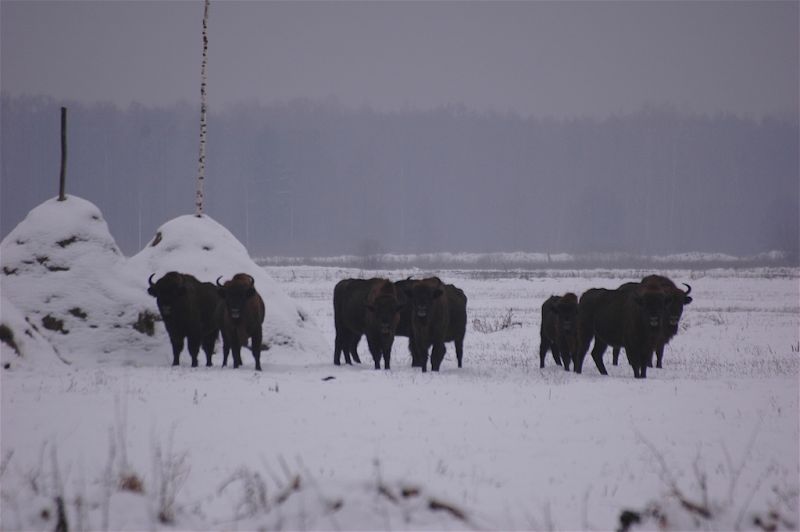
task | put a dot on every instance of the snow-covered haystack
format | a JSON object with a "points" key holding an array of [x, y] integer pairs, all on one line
{"points": [[202, 247], [63, 271]]}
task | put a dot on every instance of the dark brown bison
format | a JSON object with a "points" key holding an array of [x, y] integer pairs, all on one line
{"points": [[621, 318], [559, 329], [190, 310], [672, 317], [243, 316], [456, 324], [430, 319], [370, 307]]}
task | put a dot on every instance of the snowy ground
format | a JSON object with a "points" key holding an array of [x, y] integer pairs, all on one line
{"points": [[499, 444]]}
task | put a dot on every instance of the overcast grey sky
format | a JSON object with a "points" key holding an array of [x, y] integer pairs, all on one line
{"points": [[541, 58]]}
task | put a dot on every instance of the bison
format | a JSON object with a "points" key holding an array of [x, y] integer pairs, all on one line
{"points": [[365, 306], [456, 325], [430, 320], [673, 313], [243, 315], [559, 329], [629, 318], [190, 310]]}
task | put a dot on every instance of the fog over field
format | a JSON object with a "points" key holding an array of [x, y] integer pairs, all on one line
{"points": [[353, 127]]}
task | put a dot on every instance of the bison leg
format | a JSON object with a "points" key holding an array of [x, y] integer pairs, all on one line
{"points": [[354, 349], [226, 349], [563, 355], [659, 356], [643, 360], [584, 340], [236, 350], [422, 355], [193, 344], [338, 348], [208, 347], [412, 348], [255, 343], [459, 350], [177, 347], [387, 358], [615, 356], [375, 350], [597, 354], [437, 355], [544, 347]]}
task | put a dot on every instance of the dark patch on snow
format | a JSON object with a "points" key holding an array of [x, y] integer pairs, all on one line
{"points": [[131, 482], [207, 248], [329, 378], [67, 241], [20, 242], [302, 315], [7, 337], [43, 259], [54, 324], [9, 271], [156, 240], [95, 217], [145, 324], [78, 313]]}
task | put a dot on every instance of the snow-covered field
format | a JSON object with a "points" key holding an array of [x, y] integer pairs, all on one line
{"points": [[127, 442]]}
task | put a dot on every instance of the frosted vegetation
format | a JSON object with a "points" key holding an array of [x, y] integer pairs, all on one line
{"points": [[100, 433]]}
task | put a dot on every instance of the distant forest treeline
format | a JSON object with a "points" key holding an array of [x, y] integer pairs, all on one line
{"points": [[313, 178]]}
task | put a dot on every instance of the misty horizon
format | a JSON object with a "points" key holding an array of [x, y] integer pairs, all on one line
{"points": [[316, 178]]}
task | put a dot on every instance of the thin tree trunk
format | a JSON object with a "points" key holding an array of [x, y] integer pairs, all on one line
{"points": [[201, 174]]}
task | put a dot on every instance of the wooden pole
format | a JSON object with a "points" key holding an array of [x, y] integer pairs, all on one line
{"points": [[63, 177]]}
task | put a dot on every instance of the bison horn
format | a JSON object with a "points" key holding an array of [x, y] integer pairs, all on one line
{"points": [[688, 289], [150, 279], [252, 280], [218, 278]]}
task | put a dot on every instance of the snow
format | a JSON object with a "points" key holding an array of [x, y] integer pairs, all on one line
{"points": [[498, 444]]}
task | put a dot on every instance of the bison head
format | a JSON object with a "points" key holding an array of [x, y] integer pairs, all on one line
{"points": [[236, 292], [652, 305], [385, 312], [168, 291], [423, 296], [675, 307], [567, 311]]}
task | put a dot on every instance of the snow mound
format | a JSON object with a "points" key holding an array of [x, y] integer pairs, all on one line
{"points": [[64, 272], [202, 247], [58, 236]]}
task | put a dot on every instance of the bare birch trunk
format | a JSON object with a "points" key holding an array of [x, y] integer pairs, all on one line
{"points": [[201, 173]]}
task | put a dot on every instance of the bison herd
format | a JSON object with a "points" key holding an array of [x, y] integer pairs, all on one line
{"points": [[198, 312], [641, 317], [426, 311]]}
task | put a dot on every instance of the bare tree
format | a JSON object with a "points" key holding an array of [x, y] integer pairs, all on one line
{"points": [[201, 174]]}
